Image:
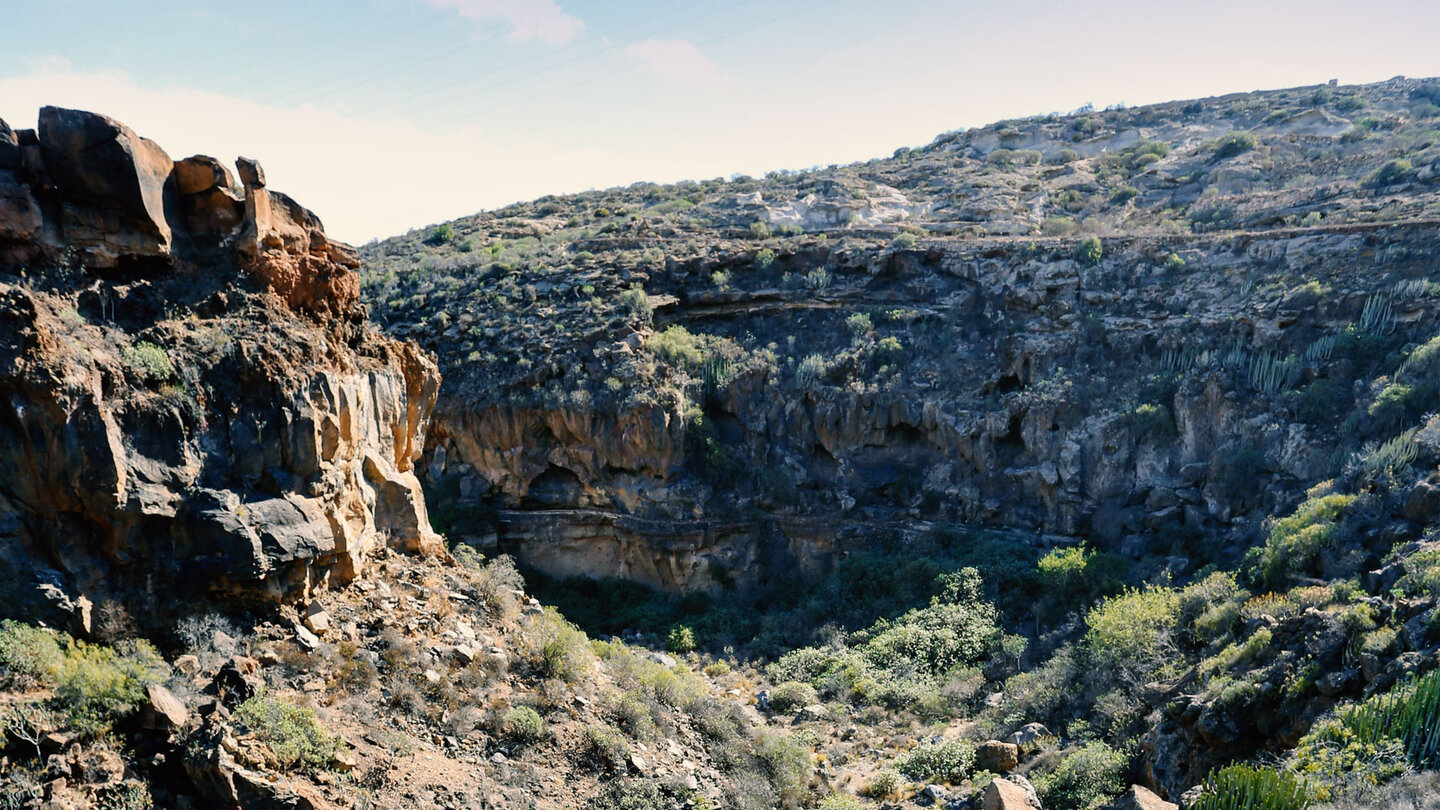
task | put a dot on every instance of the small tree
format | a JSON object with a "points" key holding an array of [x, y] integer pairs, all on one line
{"points": [[441, 234]]}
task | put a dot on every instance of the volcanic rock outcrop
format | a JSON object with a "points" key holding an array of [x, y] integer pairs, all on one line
{"points": [[193, 401]]}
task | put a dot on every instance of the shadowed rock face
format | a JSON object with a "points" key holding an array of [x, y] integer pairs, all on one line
{"points": [[193, 403]]}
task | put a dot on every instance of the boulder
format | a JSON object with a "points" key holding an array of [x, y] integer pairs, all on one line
{"points": [[1141, 798], [316, 619], [1030, 734], [201, 173], [814, 712], [95, 766], [997, 757], [162, 711], [210, 206], [114, 179], [238, 680], [1003, 794]]}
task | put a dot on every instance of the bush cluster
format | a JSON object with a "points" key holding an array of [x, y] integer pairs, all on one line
{"points": [[293, 733]]}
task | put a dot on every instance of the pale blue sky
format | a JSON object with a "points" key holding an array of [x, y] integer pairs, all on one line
{"points": [[388, 114]]}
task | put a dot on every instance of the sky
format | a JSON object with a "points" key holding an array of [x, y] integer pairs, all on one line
{"points": [[387, 115]]}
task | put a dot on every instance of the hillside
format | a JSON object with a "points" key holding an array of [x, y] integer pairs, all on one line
{"points": [[1162, 372]]}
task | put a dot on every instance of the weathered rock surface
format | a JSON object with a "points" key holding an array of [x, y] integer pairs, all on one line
{"points": [[997, 757], [216, 417], [1006, 794], [1141, 798], [1121, 402]]}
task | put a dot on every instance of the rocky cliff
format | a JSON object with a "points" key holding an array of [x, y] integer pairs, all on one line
{"points": [[194, 403], [1135, 327], [1135, 401]]}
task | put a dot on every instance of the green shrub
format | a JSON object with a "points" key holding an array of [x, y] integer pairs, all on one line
{"points": [[1210, 608], [949, 762], [441, 234], [97, 685], [1392, 173], [905, 241], [764, 258], [680, 639], [759, 230], [884, 784], [1124, 194], [523, 725], [888, 350], [1233, 143], [787, 766], [93, 685], [935, 639], [1074, 574], [1086, 779], [812, 368], [792, 696], [840, 801], [1333, 759], [1125, 633], [637, 793], [637, 302], [1296, 543], [149, 362], [1090, 251], [603, 747], [555, 648], [30, 657], [292, 733], [1248, 787], [634, 716], [859, 324]]}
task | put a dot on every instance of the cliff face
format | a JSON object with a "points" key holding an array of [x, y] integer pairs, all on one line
{"points": [[193, 401], [1135, 327], [999, 384]]}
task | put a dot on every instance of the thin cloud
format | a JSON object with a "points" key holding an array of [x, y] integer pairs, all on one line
{"points": [[541, 20], [676, 59]]}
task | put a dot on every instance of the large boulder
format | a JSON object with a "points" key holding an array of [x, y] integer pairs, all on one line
{"points": [[113, 180], [997, 757], [210, 205], [162, 711], [1005, 794], [1141, 798]]}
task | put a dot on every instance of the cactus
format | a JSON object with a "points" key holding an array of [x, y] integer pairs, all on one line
{"points": [[1378, 316], [1409, 713], [1248, 787]]}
